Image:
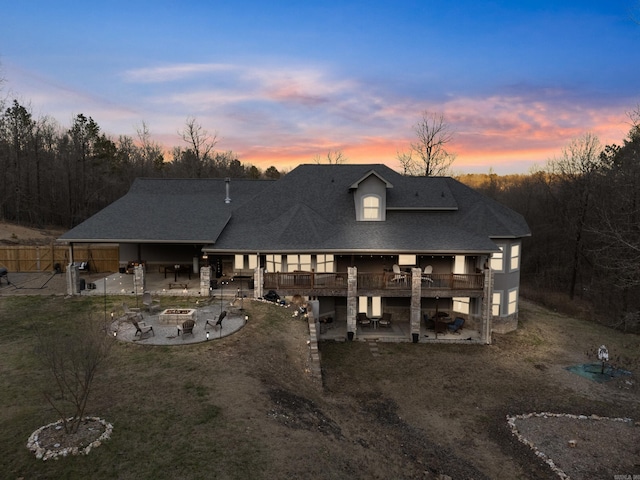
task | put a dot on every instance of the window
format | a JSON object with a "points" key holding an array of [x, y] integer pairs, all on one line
{"points": [[243, 262], [406, 259], [495, 304], [325, 264], [497, 259], [515, 256], [298, 263], [274, 263], [461, 304], [513, 302], [371, 207], [372, 306]]}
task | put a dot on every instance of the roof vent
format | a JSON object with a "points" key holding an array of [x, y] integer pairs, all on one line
{"points": [[227, 181]]}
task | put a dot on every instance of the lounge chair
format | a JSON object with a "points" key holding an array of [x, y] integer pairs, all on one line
{"points": [[398, 276], [426, 275], [456, 326], [131, 313], [142, 328], [186, 327], [150, 304], [385, 321], [363, 320]]}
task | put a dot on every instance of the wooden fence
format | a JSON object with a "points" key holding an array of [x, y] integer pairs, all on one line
{"points": [[43, 258]]}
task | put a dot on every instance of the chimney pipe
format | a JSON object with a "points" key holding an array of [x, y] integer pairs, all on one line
{"points": [[227, 181]]}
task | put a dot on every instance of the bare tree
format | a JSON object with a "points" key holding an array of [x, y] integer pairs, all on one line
{"points": [[335, 157], [200, 142], [572, 180], [72, 360], [428, 155]]}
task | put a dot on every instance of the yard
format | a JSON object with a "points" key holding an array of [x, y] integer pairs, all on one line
{"points": [[245, 406]]}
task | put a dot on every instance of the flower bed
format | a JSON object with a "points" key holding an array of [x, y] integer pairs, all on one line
{"points": [[50, 441]]}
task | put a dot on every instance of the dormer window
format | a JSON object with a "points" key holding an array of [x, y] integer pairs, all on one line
{"points": [[371, 207]]}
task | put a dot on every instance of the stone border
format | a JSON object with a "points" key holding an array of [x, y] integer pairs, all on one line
{"points": [[511, 421], [44, 454]]}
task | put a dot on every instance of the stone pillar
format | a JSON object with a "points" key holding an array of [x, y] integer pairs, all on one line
{"points": [[205, 281], [258, 283], [352, 301], [73, 280], [486, 308], [416, 302], [139, 280]]}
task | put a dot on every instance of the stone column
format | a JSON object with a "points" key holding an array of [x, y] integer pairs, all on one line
{"points": [[205, 281], [486, 308], [139, 280], [416, 302], [352, 301], [73, 280], [258, 283]]}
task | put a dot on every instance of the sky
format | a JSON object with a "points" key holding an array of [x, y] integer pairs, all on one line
{"points": [[284, 82]]}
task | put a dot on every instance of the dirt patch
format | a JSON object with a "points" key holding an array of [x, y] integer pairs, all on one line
{"points": [[12, 234]]}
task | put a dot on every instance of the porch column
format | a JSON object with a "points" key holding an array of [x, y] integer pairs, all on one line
{"points": [[352, 301], [73, 280], [139, 280], [487, 314], [205, 281], [258, 283], [416, 302]]}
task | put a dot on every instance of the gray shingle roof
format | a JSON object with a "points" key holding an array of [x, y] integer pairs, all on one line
{"points": [[167, 211], [311, 209]]}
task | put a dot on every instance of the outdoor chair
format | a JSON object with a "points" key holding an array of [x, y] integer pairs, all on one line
{"points": [[426, 275], [398, 276], [186, 327], [142, 328], [150, 304], [456, 326], [385, 321], [131, 313], [218, 322], [363, 320]]}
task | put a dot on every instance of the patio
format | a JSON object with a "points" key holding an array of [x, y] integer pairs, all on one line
{"points": [[164, 334]]}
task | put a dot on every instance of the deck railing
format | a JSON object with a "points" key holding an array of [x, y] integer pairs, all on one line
{"points": [[371, 281]]}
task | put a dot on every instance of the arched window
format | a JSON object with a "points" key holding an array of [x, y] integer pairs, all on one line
{"points": [[371, 207]]}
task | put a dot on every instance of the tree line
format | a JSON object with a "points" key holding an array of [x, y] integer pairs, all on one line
{"points": [[583, 208], [51, 175]]}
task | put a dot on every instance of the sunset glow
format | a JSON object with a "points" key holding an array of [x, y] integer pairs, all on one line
{"points": [[282, 86]]}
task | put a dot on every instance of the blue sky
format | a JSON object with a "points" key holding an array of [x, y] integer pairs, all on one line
{"points": [[283, 82]]}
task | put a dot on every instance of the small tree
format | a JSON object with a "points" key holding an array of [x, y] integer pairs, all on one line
{"points": [[72, 359], [428, 155]]}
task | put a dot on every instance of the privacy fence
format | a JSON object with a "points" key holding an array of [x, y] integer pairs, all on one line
{"points": [[45, 258]]}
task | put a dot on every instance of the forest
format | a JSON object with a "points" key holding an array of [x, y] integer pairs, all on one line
{"points": [[582, 207]]}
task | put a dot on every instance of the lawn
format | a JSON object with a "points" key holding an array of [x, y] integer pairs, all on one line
{"points": [[245, 406]]}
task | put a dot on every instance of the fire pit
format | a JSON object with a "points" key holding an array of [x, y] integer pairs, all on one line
{"points": [[175, 316]]}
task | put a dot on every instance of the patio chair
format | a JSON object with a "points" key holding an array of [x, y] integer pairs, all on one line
{"points": [[150, 304], [456, 326], [398, 276], [363, 320], [186, 327], [426, 275], [131, 313], [142, 328], [385, 321], [219, 322]]}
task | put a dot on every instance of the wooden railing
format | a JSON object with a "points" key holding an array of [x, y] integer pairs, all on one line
{"points": [[371, 281], [305, 280]]}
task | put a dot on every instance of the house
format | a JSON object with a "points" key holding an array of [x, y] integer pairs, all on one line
{"points": [[350, 238]]}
